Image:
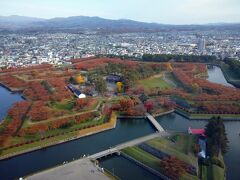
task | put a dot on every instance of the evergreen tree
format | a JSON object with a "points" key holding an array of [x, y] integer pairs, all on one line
{"points": [[216, 137]]}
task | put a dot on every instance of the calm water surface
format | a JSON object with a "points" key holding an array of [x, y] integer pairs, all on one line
{"points": [[7, 99], [215, 75], [126, 169]]}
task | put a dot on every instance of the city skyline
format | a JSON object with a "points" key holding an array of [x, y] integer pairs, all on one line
{"points": [[185, 12]]}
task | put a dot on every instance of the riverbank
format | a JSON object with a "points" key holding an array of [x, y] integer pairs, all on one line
{"points": [[82, 133], [12, 90], [234, 82], [104, 127], [227, 76], [192, 116]]}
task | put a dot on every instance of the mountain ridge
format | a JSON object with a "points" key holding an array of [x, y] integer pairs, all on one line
{"points": [[16, 22]]}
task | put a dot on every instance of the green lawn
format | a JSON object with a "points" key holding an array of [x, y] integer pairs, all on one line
{"points": [[212, 172], [153, 83], [66, 105], [182, 149], [217, 172], [204, 172], [143, 157]]}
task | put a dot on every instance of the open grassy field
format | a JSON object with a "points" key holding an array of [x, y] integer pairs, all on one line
{"points": [[182, 148], [66, 105], [143, 157], [153, 82], [213, 172]]}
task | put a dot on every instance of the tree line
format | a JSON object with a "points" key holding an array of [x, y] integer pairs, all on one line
{"points": [[178, 58], [234, 65]]}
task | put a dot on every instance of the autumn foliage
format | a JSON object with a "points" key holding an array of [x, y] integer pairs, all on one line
{"points": [[84, 103], [60, 123], [100, 62], [39, 111], [173, 167], [16, 115]]}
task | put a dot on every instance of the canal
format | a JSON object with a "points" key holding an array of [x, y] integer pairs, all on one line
{"points": [[7, 99], [215, 75], [126, 169], [126, 129]]}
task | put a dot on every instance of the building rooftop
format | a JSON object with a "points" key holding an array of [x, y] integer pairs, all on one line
{"points": [[196, 131]]}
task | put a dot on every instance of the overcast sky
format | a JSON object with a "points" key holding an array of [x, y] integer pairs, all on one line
{"points": [[160, 11]]}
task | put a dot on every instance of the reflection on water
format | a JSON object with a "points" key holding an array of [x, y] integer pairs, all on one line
{"points": [[215, 75], [7, 99]]}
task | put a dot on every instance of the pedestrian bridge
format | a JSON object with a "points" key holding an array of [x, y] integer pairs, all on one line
{"points": [[154, 122], [134, 142]]}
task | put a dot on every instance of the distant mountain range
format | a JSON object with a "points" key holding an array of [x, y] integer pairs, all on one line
{"points": [[79, 23]]}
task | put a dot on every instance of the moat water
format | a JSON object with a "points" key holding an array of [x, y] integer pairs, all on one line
{"points": [[215, 75], [7, 99], [125, 130]]}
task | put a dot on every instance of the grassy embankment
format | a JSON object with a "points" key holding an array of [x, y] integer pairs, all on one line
{"points": [[207, 116], [212, 171], [182, 149]]}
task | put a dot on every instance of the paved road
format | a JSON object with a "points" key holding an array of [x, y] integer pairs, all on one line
{"points": [[82, 169]]}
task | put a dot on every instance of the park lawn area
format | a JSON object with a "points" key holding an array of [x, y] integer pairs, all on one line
{"points": [[182, 148], [217, 172], [204, 172], [184, 143], [67, 104], [213, 172], [209, 116], [150, 160], [155, 82], [144, 157], [188, 177]]}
